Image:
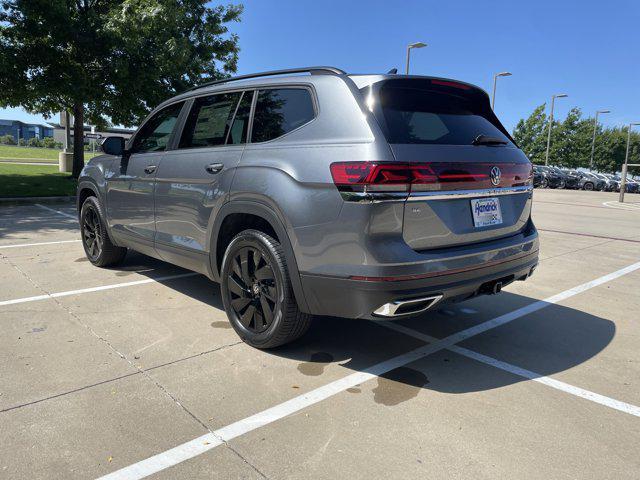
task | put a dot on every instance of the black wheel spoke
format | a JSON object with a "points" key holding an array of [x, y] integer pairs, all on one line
{"points": [[247, 316], [258, 320], [244, 266], [236, 285], [239, 304], [266, 310], [265, 273], [270, 293]]}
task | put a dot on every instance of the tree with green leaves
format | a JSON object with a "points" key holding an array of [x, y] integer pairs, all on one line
{"points": [[571, 141], [109, 61], [530, 134]]}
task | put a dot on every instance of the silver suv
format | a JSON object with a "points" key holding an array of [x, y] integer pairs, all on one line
{"points": [[358, 196]]}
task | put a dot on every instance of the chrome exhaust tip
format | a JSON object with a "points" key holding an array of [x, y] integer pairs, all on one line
{"points": [[398, 308]]}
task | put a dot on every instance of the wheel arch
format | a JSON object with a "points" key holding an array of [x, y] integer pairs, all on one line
{"points": [[85, 189], [272, 221]]}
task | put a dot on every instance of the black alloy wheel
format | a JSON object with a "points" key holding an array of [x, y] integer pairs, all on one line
{"points": [[96, 242], [253, 289], [91, 233], [257, 292]]}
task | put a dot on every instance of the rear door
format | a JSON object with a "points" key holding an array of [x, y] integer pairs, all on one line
{"points": [[482, 186], [194, 178]]}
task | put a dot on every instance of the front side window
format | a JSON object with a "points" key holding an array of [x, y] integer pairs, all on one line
{"points": [[209, 121], [279, 111], [155, 134]]}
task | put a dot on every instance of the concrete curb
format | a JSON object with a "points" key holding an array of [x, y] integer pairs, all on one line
{"points": [[28, 200]]}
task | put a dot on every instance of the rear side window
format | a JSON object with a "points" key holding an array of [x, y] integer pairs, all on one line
{"points": [[209, 120], [279, 111], [419, 112]]}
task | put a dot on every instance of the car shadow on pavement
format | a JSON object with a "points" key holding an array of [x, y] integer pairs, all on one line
{"points": [[552, 340]]}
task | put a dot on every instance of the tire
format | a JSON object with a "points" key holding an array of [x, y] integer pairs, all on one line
{"points": [[545, 183], [257, 293], [588, 186], [563, 184], [95, 239]]}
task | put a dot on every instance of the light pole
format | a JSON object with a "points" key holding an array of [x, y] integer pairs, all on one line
{"points": [[595, 129], [409, 47], [495, 81], [623, 183], [553, 101]]}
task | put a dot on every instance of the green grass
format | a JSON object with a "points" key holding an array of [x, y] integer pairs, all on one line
{"points": [[34, 181], [10, 152]]}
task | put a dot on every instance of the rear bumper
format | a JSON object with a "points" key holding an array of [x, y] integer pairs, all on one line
{"points": [[359, 297]]}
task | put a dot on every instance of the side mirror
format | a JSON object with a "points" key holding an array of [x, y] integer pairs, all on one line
{"points": [[113, 145]]}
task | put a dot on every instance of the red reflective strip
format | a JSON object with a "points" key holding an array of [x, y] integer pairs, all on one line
{"points": [[461, 86], [440, 274]]}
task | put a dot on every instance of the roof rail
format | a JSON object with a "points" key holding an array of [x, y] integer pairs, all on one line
{"points": [[312, 70]]}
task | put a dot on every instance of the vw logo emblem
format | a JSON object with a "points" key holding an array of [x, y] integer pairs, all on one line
{"points": [[495, 176]]}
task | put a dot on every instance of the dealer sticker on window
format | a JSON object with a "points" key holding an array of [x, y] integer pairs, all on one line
{"points": [[486, 211]]}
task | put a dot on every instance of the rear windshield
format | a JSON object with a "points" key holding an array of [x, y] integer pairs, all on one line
{"points": [[416, 111]]}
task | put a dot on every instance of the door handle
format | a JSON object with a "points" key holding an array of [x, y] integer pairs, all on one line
{"points": [[214, 167], [150, 169]]}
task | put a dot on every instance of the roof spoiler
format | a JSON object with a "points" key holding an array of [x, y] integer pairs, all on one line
{"points": [[312, 70]]}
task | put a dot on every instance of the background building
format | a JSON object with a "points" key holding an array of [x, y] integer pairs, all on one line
{"points": [[26, 131]]}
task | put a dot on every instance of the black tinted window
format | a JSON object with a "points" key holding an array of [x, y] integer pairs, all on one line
{"points": [[155, 134], [428, 116], [238, 133], [209, 120], [280, 111]]}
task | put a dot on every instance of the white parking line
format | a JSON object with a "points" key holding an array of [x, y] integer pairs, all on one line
{"points": [[68, 215], [622, 206], [213, 439], [95, 289], [19, 245], [550, 382]]}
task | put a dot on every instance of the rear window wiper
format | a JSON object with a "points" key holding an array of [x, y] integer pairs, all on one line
{"points": [[487, 140]]}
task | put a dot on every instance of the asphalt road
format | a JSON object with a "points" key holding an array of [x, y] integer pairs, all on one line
{"points": [[134, 371]]}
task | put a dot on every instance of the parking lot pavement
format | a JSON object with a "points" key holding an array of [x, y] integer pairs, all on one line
{"points": [[131, 369]]}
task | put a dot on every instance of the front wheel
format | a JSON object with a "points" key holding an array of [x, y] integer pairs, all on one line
{"points": [[545, 183], [588, 186], [257, 292], [95, 238]]}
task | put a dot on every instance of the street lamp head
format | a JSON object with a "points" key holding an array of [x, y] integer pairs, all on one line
{"points": [[503, 74], [417, 45], [561, 95], [603, 111]]}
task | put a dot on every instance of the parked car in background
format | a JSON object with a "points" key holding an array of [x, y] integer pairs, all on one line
{"points": [[633, 186], [353, 196], [601, 181], [553, 178], [612, 185], [572, 179], [538, 176], [589, 181]]}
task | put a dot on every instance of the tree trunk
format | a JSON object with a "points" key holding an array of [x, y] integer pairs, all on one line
{"points": [[78, 139]]}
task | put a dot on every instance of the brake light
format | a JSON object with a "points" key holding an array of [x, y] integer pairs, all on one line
{"points": [[405, 177]]}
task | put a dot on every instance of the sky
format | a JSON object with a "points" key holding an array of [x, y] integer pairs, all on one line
{"points": [[587, 49]]}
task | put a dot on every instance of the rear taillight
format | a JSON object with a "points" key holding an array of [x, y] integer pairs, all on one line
{"points": [[406, 177]]}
